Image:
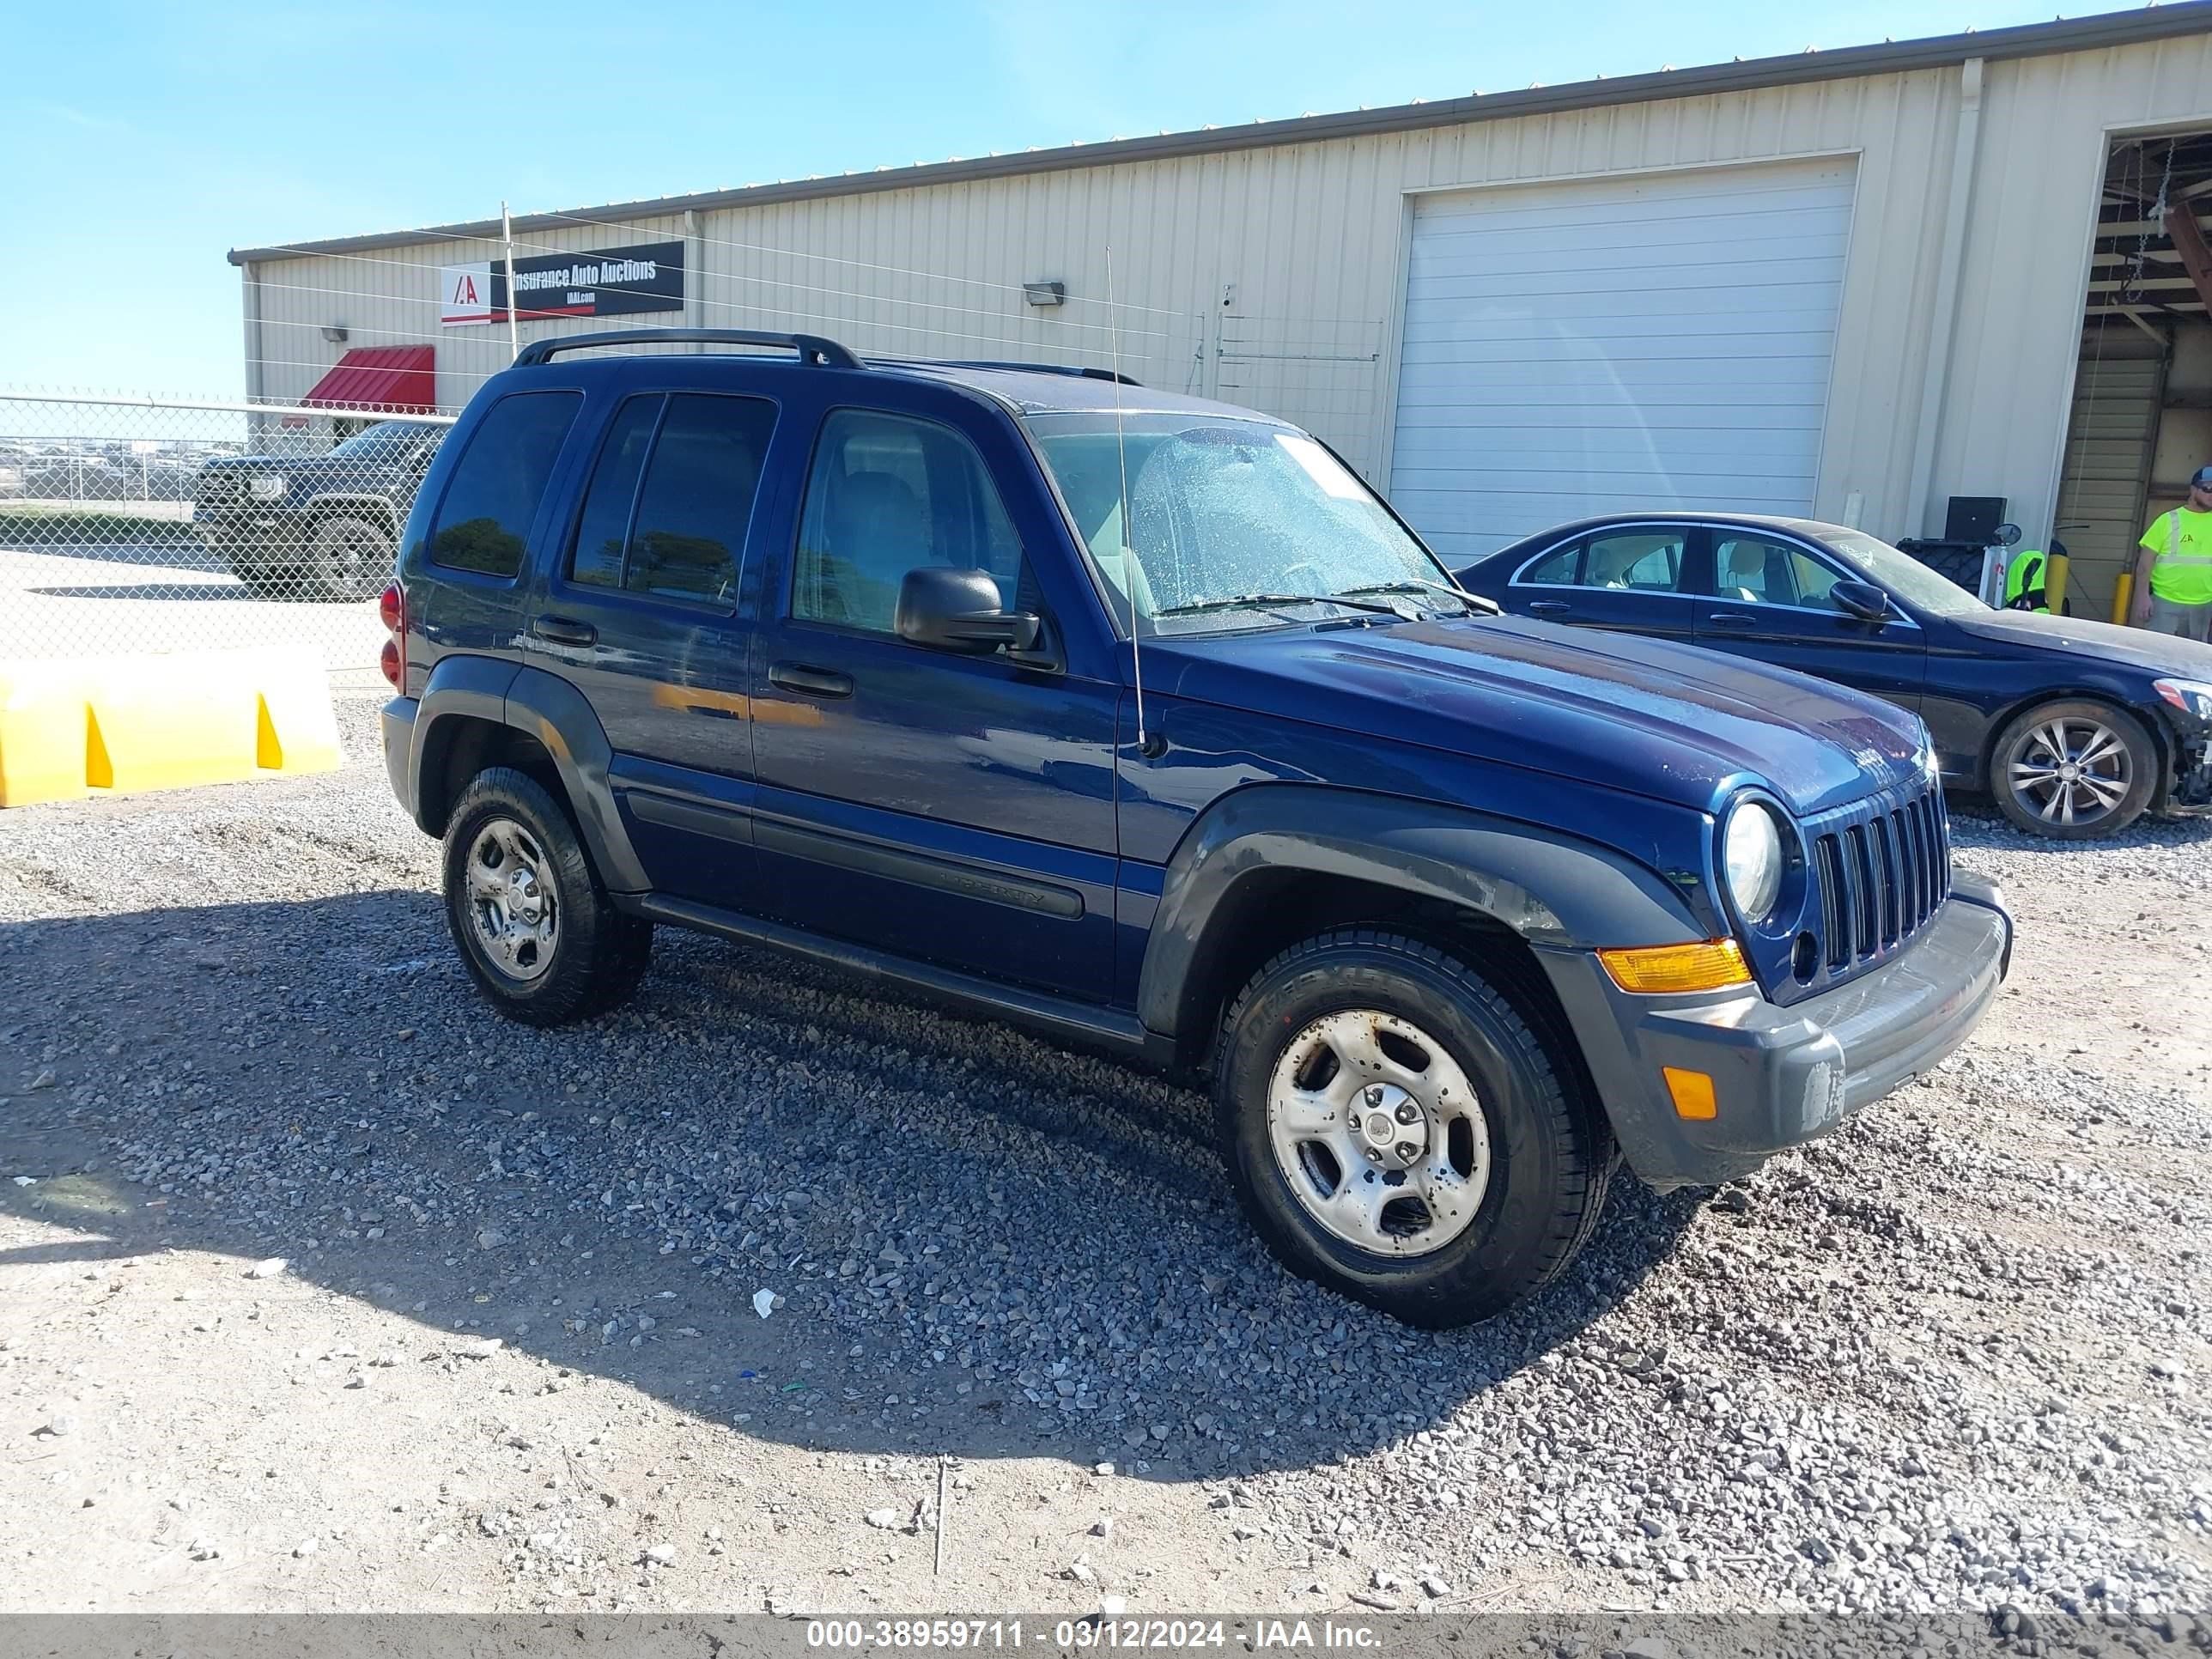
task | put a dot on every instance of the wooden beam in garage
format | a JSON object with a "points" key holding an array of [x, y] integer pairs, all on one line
{"points": [[2188, 242]]}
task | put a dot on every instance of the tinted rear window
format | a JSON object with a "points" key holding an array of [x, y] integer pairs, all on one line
{"points": [[680, 533], [484, 520]]}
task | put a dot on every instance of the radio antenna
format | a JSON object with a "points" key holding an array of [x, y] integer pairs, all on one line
{"points": [[1128, 552]]}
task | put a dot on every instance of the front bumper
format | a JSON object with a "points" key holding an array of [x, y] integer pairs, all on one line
{"points": [[1781, 1076]]}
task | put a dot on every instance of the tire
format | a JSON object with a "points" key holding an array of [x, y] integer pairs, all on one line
{"points": [[542, 940], [265, 576], [349, 557], [1512, 1164], [2117, 775]]}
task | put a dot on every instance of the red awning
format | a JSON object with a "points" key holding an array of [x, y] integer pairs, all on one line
{"points": [[391, 380]]}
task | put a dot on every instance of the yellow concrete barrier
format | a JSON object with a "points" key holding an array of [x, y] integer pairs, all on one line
{"points": [[71, 727]]}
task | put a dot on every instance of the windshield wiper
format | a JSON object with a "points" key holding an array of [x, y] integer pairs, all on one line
{"points": [[1239, 600], [1473, 605]]}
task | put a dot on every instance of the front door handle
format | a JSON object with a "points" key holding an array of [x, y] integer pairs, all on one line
{"points": [[1730, 619], [809, 682], [564, 630], [1548, 607]]}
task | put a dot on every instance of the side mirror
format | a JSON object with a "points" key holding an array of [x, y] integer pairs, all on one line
{"points": [[953, 610], [2006, 535], [1861, 599]]}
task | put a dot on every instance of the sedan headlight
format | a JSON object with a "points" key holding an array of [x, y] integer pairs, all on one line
{"points": [[2193, 697], [1751, 860], [267, 487]]}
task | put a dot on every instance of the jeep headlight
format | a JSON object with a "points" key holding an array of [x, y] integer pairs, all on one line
{"points": [[267, 487], [2193, 697], [1751, 860]]}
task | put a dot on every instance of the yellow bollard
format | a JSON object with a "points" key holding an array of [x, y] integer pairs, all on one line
{"points": [[2054, 584], [2123, 591]]}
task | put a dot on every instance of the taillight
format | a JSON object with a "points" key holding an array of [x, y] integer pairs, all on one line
{"points": [[391, 612]]}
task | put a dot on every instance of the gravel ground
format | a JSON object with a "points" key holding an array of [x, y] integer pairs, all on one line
{"points": [[1954, 1358]]}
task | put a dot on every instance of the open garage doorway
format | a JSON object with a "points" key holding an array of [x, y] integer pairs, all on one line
{"points": [[2142, 420]]}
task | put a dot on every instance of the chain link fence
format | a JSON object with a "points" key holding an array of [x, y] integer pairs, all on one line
{"points": [[144, 525]]}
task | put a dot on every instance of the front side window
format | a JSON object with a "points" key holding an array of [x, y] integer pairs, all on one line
{"points": [[891, 494], [485, 521], [1228, 522], [671, 496], [1759, 570]]}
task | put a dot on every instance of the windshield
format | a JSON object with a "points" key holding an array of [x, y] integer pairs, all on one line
{"points": [[1231, 524], [1901, 574], [387, 439]]}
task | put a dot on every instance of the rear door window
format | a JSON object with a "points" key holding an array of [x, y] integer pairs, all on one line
{"points": [[1648, 561], [483, 523], [671, 523], [1555, 569]]}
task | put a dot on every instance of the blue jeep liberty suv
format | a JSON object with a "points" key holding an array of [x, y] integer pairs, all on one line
{"points": [[1140, 719]]}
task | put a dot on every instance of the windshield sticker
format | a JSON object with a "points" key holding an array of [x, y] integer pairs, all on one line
{"points": [[1323, 468]]}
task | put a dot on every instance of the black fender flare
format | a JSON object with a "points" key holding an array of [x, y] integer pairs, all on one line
{"points": [[553, 712], [1551, 888]]}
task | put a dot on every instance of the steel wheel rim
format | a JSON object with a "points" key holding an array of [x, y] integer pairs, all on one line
{"points": [[1378, 1133], [2070, 772], [511, 900], [348, 544]]}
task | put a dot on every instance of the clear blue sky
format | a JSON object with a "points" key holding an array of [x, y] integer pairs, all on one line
{"points": [[143, 140]]}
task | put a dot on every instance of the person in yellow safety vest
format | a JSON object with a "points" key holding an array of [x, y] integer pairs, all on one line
{"points": [[2025, 579], [2173, 572]]}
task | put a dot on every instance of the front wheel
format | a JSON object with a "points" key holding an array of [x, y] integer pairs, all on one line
{"points": [[349, 557], [2073, 770], [1398, 1134]]}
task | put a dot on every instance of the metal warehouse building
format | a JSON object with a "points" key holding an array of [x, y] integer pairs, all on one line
{"points": [[1853, 284]]}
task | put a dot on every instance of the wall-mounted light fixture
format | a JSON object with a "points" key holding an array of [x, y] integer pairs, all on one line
{"points": [[1045, 293], [335, 333]]}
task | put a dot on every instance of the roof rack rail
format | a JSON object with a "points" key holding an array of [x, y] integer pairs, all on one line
{"points": [[1070, 369], [811, 347]]}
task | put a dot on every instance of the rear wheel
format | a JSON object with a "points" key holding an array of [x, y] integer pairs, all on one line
{"points": [[1397, 1132], [2074, 769], [536, 928], [349, 557]]}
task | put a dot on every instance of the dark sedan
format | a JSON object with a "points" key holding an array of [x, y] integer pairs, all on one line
{"points": [[2075, 728]]}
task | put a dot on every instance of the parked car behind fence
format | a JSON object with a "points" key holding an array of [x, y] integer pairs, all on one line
{"points": [[316, 526]]}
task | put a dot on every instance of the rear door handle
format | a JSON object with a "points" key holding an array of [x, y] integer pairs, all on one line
{"points": [[1548, 607], [1730, 619], [564, 630], [812, 682]]}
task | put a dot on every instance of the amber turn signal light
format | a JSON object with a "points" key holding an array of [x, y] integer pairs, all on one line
{"points": [[1706, 965], [1691, 1093]]}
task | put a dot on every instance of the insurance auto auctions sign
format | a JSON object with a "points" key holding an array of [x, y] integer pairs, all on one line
{"points": [[617, 282]]}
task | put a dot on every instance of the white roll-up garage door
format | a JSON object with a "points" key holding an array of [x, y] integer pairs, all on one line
{"points": [[1660, 340]]}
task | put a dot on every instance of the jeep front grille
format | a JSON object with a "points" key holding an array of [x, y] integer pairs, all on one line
{"points": [[1882, 866]]}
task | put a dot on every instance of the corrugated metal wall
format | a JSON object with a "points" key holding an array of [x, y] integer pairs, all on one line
{"points": [[2107, 465], [1273, 277], [2045, 135]]}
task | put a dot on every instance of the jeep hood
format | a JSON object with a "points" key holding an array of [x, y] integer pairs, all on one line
{"points": [[1641, 716]]}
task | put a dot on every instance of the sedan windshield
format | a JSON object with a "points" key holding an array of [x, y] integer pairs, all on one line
{"points": [[1901, 574], [1232, 523]]}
